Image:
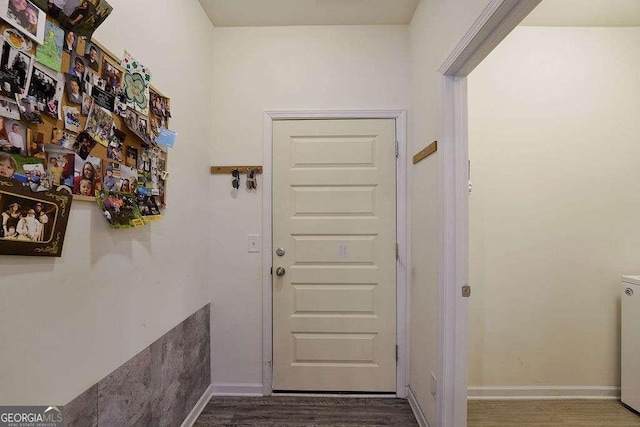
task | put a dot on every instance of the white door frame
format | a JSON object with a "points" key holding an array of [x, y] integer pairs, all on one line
{"points": [[402, 306], [494, 23]]}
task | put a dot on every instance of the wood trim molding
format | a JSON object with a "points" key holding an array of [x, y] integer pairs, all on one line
{"points": [[228, 169], [425, 152], [494, 23]]}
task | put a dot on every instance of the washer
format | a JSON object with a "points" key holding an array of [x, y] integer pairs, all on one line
{"points": [[630, 341]]}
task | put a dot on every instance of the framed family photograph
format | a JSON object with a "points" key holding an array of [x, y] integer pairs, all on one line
{"points": [[33, 224], [25, 16]]}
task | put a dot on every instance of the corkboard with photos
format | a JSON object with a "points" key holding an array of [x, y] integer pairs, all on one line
{"points": [[92, 126]]}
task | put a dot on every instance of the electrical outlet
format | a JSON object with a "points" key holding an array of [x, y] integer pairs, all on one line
{"points": [[254, 242]]}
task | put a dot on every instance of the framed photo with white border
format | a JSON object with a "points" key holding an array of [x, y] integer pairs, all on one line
{"points": [[25, 16]]}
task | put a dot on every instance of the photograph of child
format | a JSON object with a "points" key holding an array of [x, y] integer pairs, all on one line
{"points": [[60, 167], [74, 92], [17, 135], [55, 171], [92, 56], [8, 165], [111, 176], [87, 176], [13, 165], [77, 66]]}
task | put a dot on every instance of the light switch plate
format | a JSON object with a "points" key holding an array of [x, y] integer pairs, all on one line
{"points": [[254, 242]]}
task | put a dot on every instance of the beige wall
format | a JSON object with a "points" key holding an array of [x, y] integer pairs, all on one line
{"points": [[436, 28], [278, 68], [554, 145], [67, 322]]}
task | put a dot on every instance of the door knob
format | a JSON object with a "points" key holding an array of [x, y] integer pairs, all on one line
{"points": [[280, 271]]}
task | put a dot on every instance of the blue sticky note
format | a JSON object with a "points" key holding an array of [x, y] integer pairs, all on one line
{"points": [[167, 137]]}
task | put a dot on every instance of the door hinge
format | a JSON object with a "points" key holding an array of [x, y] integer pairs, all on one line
{"points": [[466, 291], [396, 354], [397, 149], [397, 252]]}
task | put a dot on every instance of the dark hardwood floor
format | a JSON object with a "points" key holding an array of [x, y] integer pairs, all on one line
{"points": [[286, 411]]}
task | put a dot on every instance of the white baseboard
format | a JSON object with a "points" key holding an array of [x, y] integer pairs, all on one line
{"points": [[543, 392], [197, 410], [417, 412], [237, 389]]}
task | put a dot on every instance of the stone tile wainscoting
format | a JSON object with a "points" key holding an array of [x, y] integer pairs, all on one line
{"points": [[158, 386]]}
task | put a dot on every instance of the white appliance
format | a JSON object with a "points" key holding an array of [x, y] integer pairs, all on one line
{"points": [[630, 339]]}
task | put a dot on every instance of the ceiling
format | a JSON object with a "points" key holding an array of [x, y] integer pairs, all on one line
{"points": [[585, 13], [258, 13]]}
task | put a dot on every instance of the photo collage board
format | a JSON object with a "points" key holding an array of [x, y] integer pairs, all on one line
{"points": [[76, 119]]}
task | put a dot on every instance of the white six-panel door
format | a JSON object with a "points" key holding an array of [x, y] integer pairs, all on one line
{"points": [[334, 215]]}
